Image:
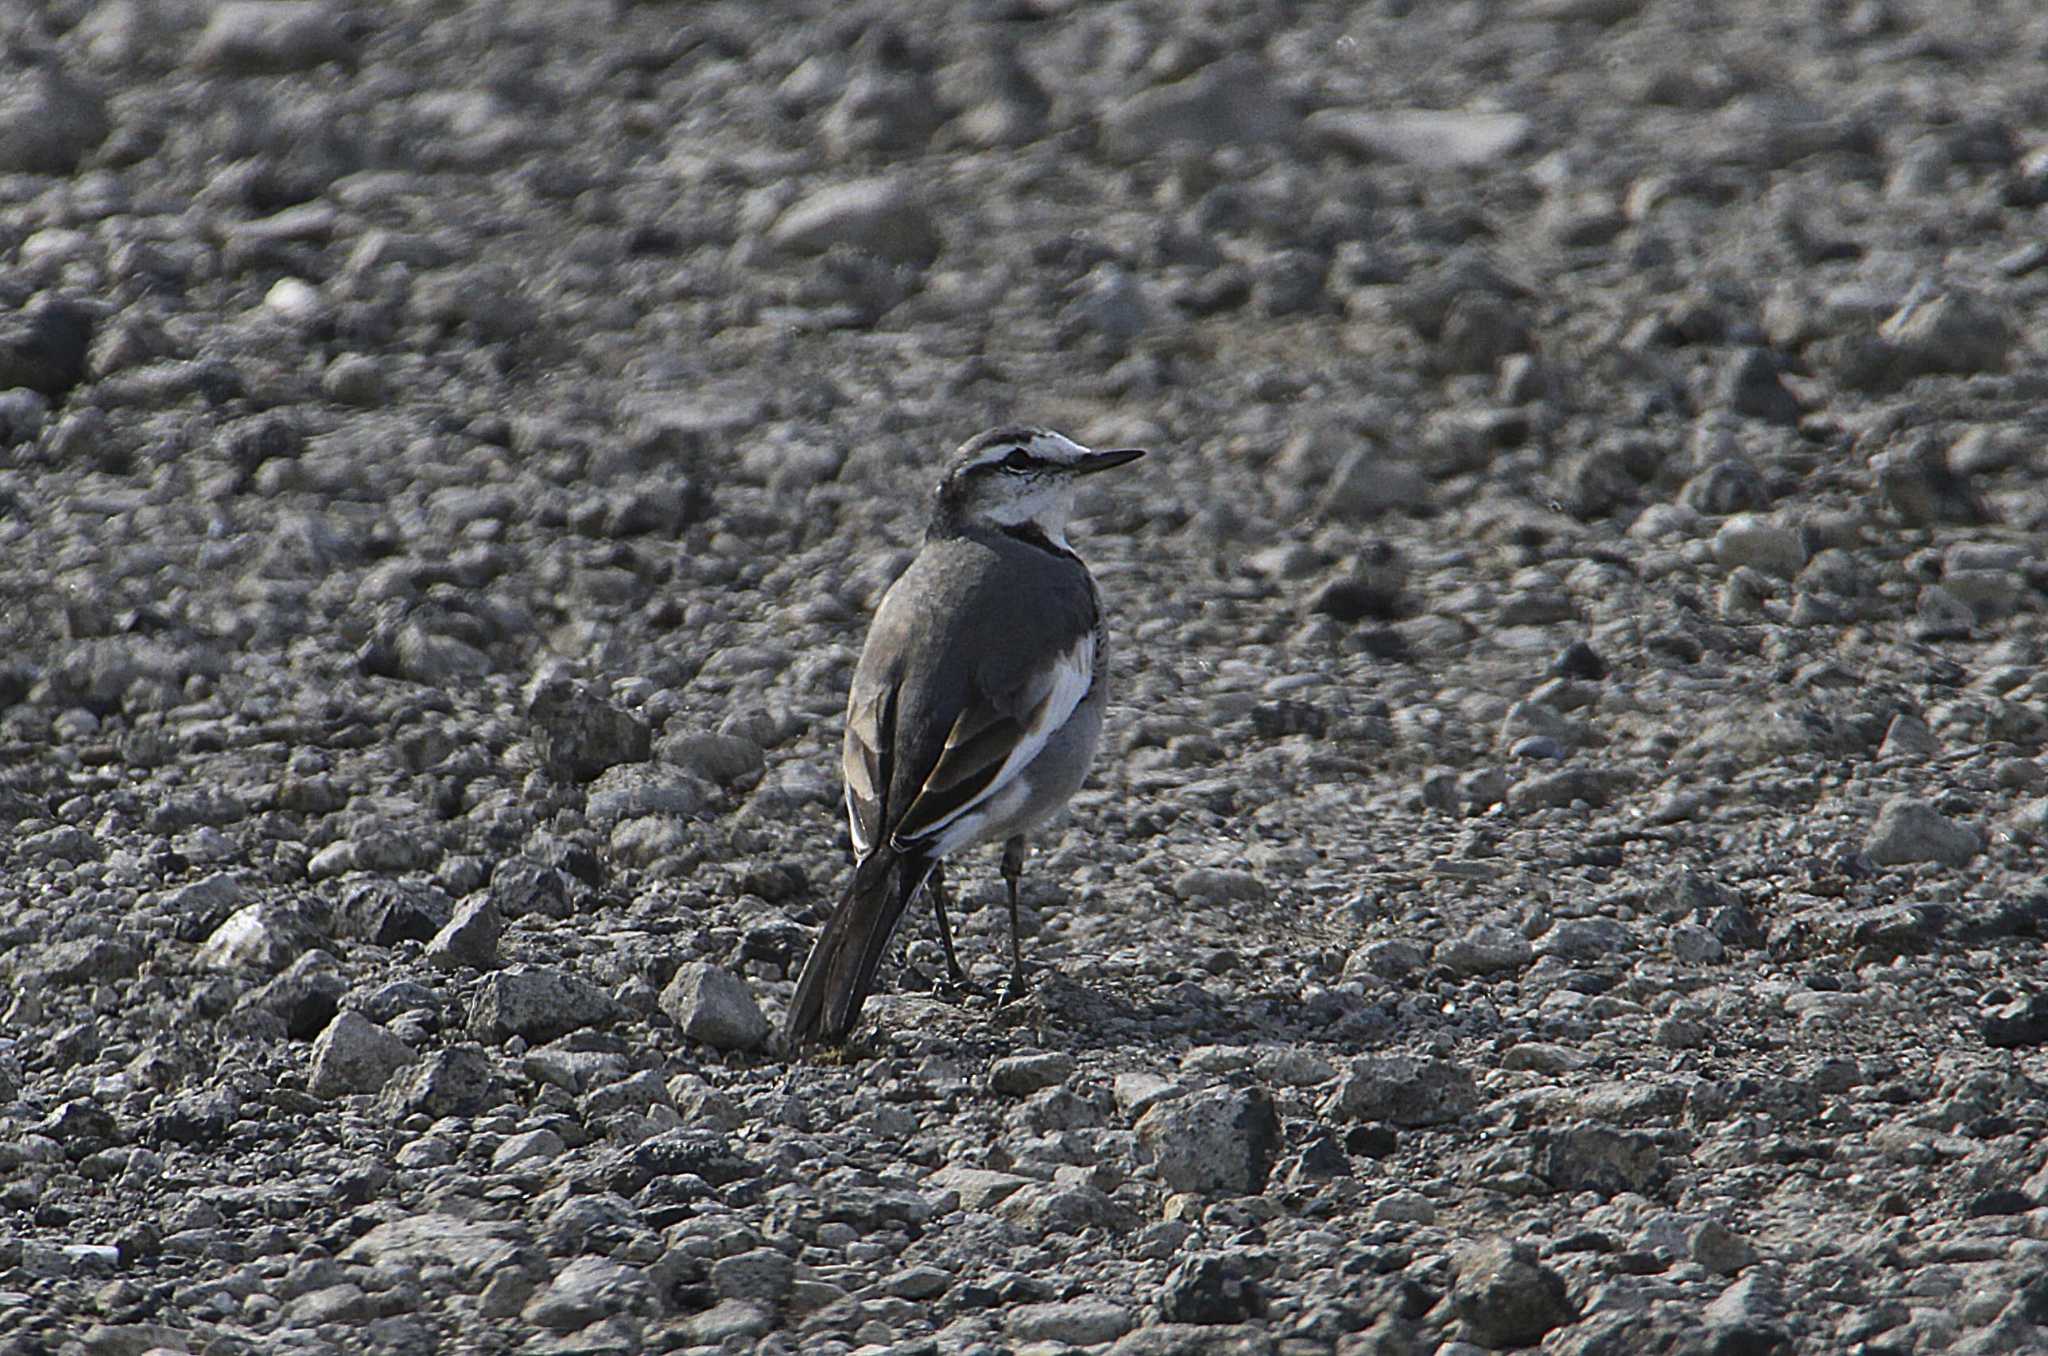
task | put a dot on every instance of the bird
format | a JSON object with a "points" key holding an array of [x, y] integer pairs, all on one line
{"points": [[974, 712]]}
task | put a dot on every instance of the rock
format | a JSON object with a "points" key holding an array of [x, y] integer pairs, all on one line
{"points": [[1911, 830], [1219, 1142], [537, 1003], [43, 348], [1484, 950], [728, 1321], [586, 1290], [531, 1149], [1431, 139], [1405, 1090], [49, 123], [711, 1005], [1760, 544], [469, 940], [1111, 308], [2022, 1022], [1915, 481], [355, 1054], [1592, 1157], [455, 1081], [1953, 331], [579, 734], [980, 1189], [884, 217], [1228, 102], [1022, 1075], [1692, 944], [721, 759], [271, 37], [1749, 384], [1216, 886], [1505, 1298], [761, 1274], [263, 936], [1079, 1323], [1210, 1289]]}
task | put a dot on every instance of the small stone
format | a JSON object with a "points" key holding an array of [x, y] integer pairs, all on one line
{"points": [[1908, 736], [455, 1081], [43, 348], [762, 1274], [1749, 384], [2022, 1022], [1078, 1323], [537, 1003], [1210, 1289], [264, 936], [1486, 949], [884, 217], [1592, 1157], [1219, 1142], [1405, 1207], [533, 1148], [1406, 1090], [1694, 945], [1230, 102], [1217, 885], [1719, 1249], [587, 1290], [980, 1189], [712, 1005], [1022, 1075], [354, 379], [1955, 331], [1431, 139], [268, 37], [49, 123], [1911, 830], [729, 1320], [1506, 1298], [578, 733], [1760, 544], [469, 940], [355, 1054]]}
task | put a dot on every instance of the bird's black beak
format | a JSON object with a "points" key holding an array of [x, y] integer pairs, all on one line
{"points": [[1102, 461]]}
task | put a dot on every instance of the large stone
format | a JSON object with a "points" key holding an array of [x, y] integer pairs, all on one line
{"points": [[1219, 1142], [712, 1005]]}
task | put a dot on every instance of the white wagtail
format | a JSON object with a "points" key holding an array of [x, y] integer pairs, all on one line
{"points": [[975, 710]]}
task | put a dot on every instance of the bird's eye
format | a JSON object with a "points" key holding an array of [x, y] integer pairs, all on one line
{"points": [[1018, 460]]}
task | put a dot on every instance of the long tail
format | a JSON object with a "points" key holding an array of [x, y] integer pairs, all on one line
{"points": [[841, 969]]}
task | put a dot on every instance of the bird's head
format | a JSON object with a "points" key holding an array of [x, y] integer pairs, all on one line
{"points": [[1020, 477]]}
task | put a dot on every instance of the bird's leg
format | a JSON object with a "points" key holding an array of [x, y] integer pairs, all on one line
{"points": [[937, 884], [1013, 871]]}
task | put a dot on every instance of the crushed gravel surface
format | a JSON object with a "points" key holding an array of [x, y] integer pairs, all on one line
{"points": [[1566, 868]]}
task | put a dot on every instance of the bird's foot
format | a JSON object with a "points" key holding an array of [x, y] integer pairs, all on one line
{"points": [[1018, 987], [958, 988]]}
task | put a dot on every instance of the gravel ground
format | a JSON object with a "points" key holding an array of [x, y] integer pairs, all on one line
{"points": [[1566, 865]]}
